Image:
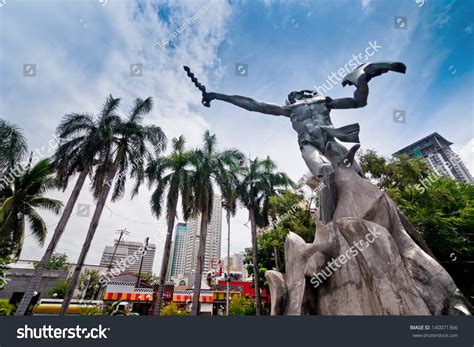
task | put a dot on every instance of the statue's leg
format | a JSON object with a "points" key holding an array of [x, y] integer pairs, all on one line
{"points": [[322, 169], [327, 199], [316, 162]]}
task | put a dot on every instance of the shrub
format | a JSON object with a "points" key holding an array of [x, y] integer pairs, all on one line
{"points": [[6, 309], [242, 307], [173, 310]]}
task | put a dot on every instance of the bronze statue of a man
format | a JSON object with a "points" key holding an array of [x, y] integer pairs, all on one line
{"points": [[309, 115]]}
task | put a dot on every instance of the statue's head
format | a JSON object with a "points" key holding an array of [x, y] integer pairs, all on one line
{"points": [[301, 95]]}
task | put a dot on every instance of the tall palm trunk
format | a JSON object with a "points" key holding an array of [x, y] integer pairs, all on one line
{"points": [[227, 295], [58, 232], [166, 259], [90, 235], [200, 259], [253, 228]]}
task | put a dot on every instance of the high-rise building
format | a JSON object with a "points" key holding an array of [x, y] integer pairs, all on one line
{"points": [[178, 252], [438, 155], [108, 253], [213, 239], [129, 253]]}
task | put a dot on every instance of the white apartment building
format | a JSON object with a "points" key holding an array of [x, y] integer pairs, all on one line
{"points": [[129, 249], [213, 239]]}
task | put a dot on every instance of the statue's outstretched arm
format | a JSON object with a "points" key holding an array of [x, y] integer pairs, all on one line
{"points": [[359, 77], [359, 99], [241, 101], [250, 104]]}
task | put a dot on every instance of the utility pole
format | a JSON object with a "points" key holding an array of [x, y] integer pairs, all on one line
{"points": [[122, 232], [141, 262], [109, 267]]}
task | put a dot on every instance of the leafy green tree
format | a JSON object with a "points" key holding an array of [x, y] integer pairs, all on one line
{"points": [[13, 148], [259, 182], [3, 266], [443, 214], [441, 209], [130, 144], [210, 167], [89, 282], [172, 175], [59, 261], [266, 260], [60, 290], [20, 202], [242, 307], [396, 173], [288, 211]]}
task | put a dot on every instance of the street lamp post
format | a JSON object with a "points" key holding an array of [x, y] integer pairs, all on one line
{"points": [[228, 207]]}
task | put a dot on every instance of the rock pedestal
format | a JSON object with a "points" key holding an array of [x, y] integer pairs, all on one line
{"points": [[369, 260]]}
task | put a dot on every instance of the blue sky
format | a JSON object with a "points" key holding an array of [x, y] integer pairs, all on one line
{"points": [[83, 51]]}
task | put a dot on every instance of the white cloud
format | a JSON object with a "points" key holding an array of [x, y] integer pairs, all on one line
{"points": [[366, 5], [77, 77]]}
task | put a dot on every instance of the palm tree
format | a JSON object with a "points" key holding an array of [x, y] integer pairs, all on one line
{"points": [[13, 146], [131, 141], [19, 204], [210, 167], [229, 203], [83, 139], [259, 182], [172, 174]]}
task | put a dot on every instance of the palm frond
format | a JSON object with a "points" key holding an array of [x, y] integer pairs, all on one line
{"points": [[47, 204], [13, 146], [140, 107], [110, 106], [37, 225]]}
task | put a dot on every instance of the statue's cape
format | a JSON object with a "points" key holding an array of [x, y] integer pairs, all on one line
{"points": [[347, 133]]}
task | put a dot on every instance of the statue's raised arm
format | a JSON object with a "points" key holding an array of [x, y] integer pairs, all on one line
{"points": [[360, 77], [251, 105], [246, 103]]}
